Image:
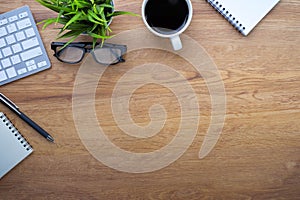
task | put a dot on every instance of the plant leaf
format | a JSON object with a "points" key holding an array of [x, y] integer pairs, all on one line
{"points": [[94, 21], [116, 13], [79, 27], [104, 5], [91, 13], [73, 19], [47, 22], [82, 4], [59, 15], [94, 35], [94, 42], [54, 7], [94, 27], [71, 40], [71, 33], [104, 19]]}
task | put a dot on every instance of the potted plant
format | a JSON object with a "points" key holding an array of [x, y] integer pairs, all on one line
{"points": [[91, 17]]}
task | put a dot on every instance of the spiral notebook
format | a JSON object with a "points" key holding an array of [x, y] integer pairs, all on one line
{"points": [[13, 146], [244, 15]]}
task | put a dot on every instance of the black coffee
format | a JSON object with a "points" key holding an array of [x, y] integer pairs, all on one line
{"points": [[166, 16]]}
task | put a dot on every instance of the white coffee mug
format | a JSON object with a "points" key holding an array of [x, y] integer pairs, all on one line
{"points": [[167, 18]]}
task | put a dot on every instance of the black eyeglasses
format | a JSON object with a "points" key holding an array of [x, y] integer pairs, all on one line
{"points": [[107, 54]]}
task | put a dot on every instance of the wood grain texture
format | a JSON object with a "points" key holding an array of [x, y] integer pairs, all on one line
{"points": [[257, 156]]}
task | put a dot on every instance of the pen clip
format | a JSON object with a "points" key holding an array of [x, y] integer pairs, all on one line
{"points": [[8, 101]]}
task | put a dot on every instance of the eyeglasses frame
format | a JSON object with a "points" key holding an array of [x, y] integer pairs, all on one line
{"points": [[87, 47]]}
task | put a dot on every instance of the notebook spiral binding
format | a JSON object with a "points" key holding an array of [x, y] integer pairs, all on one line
{"points": [[15, 131], [226, 14]]}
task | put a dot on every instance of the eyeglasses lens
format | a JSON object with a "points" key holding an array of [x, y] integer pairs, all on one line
{"points": [[71, 54], [107, 55]]}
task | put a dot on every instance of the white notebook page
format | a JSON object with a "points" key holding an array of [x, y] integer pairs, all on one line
{"points": [[244, 15]]}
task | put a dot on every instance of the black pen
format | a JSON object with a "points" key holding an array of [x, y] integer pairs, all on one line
{"points": [[13, 107]]}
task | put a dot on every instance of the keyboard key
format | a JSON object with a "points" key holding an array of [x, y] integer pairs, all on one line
{"points": [[24, 23], [29, 62], [6, 51], [1, 56], [30, 43], [16, 48], [31, 67], [3, 22], [20, 36], [11, 72], [32, 53], [13, 18], [2, 42], [5, 63], [22, 71], [29, 32], [10, 39], [11, 28], [42, 64], [3, 31], [23, 14], [15, 59], [3, 76]]}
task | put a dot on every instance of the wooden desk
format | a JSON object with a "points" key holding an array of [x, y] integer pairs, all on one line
{"points": [[257, 156]]}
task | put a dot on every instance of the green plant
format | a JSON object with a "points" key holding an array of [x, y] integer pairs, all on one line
{"points": [[91, 17]]}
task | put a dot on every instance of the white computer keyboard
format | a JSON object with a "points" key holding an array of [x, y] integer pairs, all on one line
{"points": [[22, 52]]}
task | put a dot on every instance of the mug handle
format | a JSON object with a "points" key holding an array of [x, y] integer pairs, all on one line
{"points": [[176, 42]]}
